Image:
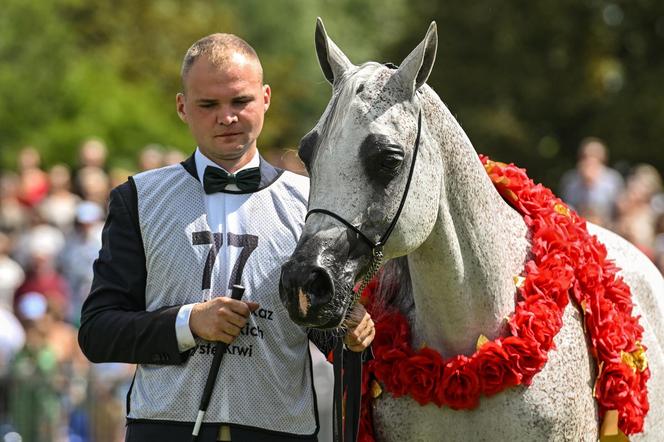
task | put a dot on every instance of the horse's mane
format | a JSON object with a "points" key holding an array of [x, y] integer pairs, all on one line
{"points": [[393, 289]]}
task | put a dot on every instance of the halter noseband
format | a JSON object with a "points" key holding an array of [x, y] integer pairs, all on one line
{"points": [[377, 247]]}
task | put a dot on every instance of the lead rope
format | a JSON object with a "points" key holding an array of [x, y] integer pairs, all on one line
{"points": [[374, 266], [349, 378]]}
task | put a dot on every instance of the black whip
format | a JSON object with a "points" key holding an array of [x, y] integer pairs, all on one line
{"points": [[220, 349]]}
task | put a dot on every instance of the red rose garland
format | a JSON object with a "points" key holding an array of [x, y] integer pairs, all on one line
{"points": [[566, 260]]}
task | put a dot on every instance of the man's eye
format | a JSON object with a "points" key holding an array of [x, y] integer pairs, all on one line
{"points": [[207, 105]]}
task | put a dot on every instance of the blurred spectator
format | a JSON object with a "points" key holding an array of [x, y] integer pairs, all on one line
{"points": [[119, 175], [92, 153], [39, 238], [59, 207], [636, 217], [109, 385], [94, 185], [173, 156], [292, 162], [592, 187], [285, 159], [151, 157], [659, 242], [43, 244], [13, 215], [33, 180], [33, 397], [11, 273], [72, 374], [80, 250], [91, 160], [12, 336]]}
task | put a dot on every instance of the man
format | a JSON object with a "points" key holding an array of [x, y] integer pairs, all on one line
{"points": [[175, 241], [592, 188]]}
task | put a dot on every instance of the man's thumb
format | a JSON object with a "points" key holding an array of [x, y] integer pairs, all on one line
{"points": [[253, 306]]}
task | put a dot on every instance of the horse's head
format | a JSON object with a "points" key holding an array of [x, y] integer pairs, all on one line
{"points": [[359, 157]]}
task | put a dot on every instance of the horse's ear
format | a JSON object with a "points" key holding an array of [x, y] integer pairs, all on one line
{"points": [[332, 60], [415, 68]]}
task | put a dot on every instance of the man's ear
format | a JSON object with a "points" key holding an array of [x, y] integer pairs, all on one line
{"points": [[267, 95], [179, 106]]}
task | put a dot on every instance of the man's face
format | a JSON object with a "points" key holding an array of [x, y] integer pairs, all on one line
{"points": [[224, 107]]}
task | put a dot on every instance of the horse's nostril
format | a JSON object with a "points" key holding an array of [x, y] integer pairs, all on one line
{"points": [[304, 289], [319, 286]]}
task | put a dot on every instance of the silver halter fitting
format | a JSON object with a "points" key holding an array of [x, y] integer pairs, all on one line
{"points": [[377, 247]]}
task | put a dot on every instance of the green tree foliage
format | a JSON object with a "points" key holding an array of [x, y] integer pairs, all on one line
{"points": [[529, 79], [526, 79], [70, 69]]}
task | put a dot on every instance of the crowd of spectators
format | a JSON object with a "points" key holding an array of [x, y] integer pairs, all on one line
{"points": [[50, 234], [629, 203]]}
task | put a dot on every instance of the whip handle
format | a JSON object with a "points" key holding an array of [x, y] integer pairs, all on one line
{"points": [[220, 349]]}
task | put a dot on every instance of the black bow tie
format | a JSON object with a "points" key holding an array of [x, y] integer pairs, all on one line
{"points": [[216, 179]]}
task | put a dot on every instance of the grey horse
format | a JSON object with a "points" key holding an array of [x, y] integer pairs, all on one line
{"points": [[461, 245]]}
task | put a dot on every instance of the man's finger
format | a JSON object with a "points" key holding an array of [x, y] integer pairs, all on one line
{"points": [[225, 337], [231, 329], [363, 328], [253, 306], [233, 318]]}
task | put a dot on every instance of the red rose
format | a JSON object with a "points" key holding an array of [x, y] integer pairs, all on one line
{"points": [[493, 366], [537, 318], [610, 339], [459, 387], [421, 372], [615, 385], [630, 418], [618, 292], [536, 200], [633, 412], [549, 279], [387, 368], [392, 331], [525, 356], [590, 276], [598, 311]]}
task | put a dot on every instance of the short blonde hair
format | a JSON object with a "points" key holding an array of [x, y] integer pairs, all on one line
{"points": [[217, 48]]}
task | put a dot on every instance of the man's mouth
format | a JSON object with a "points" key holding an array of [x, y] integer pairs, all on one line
{"points": [[228, 135]]}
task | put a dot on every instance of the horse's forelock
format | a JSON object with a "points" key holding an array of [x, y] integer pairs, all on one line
{"points": [[367, 81]]}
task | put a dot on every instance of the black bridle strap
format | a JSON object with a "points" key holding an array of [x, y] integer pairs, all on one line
{"points": [[388, 232], [348, 373], [381, 242], [344, 222]]}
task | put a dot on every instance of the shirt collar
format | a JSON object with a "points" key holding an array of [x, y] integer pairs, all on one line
{"points": [[202, 162]]}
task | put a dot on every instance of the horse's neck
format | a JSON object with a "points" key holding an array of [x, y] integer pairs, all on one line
{"points": [[463, 275]]}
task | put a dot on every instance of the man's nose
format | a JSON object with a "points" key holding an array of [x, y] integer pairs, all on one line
{"points": [[226, 116]]}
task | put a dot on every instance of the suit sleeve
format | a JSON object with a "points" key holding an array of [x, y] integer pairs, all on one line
{"points": [[115, 326]]}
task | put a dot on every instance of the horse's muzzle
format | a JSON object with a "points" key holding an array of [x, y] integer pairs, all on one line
{"points": [[306, 291]]}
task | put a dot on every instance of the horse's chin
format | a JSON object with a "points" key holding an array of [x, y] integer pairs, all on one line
{"points": [[323, 319]]}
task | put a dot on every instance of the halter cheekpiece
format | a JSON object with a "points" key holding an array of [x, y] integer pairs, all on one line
{"points": [[377, 247]]}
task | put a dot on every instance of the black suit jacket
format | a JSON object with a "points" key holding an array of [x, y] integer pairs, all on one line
{"points": [[115, 326]]}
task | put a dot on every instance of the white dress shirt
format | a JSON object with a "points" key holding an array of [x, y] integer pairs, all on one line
{"points": [[215, 205]]}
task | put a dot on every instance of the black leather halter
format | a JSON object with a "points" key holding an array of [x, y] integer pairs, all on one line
{"points": [[348, 370], [377, 247]]}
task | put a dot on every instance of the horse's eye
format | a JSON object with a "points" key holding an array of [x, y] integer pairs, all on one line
{"points": [[382, 159], [392, 159]]}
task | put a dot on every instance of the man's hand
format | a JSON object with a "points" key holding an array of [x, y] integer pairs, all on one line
{"points": [[220, 319], [360, 336]]}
